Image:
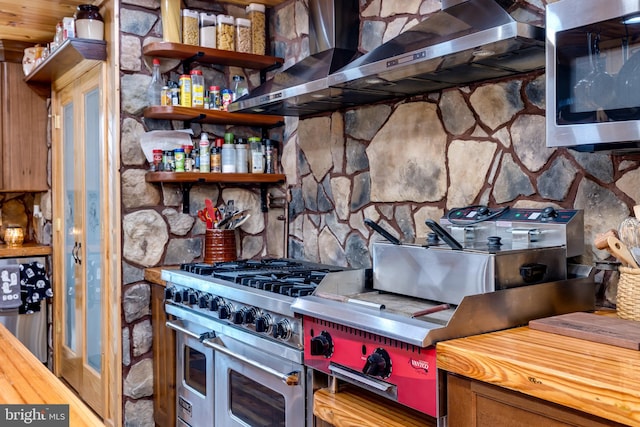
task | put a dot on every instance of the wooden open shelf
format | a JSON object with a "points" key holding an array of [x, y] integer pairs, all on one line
{"points": [[206, 55], [215, 117], [215, 177], [65, 57]]}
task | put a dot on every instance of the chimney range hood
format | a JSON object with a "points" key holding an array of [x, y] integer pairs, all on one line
{"points": [[467, 41]]}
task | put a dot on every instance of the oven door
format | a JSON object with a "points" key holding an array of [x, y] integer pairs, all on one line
{"points": [[255, 388], [195, 370]]}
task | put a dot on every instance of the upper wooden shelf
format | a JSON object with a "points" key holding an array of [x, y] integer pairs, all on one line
{"points": [[216, 117], [215, 177], [26, 250], [211, 56], [65, 57]]}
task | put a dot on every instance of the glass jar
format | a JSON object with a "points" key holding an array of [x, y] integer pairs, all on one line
{"points": [[242, 158], [256, 14], [89, 22], [197, 89], [190, 27], [257, 158], [14, 235], [207, 30], [240, 87], [243, 35], [225, 37]]}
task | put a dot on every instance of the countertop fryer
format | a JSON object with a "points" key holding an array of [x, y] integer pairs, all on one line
{"points": [[480, 271]]}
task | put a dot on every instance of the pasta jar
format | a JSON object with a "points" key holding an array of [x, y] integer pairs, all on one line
{"points": [[190, 27], [256, 14], [197, 89], [225, 38], [207, 30], [243, 35]]}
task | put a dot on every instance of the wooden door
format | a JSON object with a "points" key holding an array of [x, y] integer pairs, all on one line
{"points": [[78, 242]]}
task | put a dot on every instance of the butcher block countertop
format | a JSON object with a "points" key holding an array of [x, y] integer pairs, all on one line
{"points": [[25, 380], [598, 379], [153, 274]]}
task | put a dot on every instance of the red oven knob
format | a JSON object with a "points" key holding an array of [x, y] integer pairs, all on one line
{"points": [[378, 364], [321, 345]]}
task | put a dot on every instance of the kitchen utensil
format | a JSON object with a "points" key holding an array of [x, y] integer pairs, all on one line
{"points": [[444, 235], [239, 221], [620, 251], [629, 232], [384, 233]]}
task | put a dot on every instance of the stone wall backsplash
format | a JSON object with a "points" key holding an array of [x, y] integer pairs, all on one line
{"points": [[397, 163]]}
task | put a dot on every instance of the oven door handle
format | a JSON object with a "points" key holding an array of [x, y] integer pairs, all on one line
{"points": [[290, 379], [378, 385], [179, 328]]}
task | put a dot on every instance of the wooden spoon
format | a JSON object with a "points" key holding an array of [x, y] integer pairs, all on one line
{"points": [[620, 251]]}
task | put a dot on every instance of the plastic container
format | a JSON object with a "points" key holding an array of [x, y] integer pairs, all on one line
{"points": [[270, 156], [205, 160], [240, 87], [197, 89], [227, 98], [225, 34], [243, 35], [188, 160], [257, 158], [185, 90], [178, 154], [215, 98], [170, 13], [208, 29], [242, 157], [216, 156], [256, 14], [190, 27], [228, 157]]}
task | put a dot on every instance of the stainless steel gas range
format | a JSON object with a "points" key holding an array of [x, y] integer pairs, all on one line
{"points": [[239, 345]]}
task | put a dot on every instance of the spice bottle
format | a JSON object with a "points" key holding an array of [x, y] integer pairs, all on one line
{"points": [[270, 156], [197, 89], [178, 154], [205, 161], [257, 159], [256, 14], [190, 27], [207, 29], [154, 90], [243, 35], [216, 156], [225, 36], [227, 98], [228, 154], [188, 160], [242, 163], [185, 90], [215, 98]]}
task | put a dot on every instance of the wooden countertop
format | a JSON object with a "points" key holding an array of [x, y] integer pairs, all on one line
{"points": [[598, 379], [152, 274], [26, 250], [25, 380]]}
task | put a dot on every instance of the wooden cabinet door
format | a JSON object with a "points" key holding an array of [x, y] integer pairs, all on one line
{"points": [[23, 157], [164, 362]]}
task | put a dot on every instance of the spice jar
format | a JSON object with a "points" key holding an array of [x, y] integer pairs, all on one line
{"points": [[270, 156], [89, 22], [256, 14], [242, 162], [185, 90], [178, 154], [243, 35], [257, 158], [190, 28], [197, 89], [207, 30], [157, 160], [225, 37], [215, 99]]}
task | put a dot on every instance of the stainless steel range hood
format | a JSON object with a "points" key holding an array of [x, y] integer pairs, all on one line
{"points": [[333, 43], [467, 41]]}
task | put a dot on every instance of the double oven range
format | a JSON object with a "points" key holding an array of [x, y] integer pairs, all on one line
{"points": [[239, 345]]}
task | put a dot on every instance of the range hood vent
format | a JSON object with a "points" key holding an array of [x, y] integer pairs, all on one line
{"points": [[467, 41]]}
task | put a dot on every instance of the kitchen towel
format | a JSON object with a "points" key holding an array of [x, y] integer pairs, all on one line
{"points": [[10, 287], [35, 286]]}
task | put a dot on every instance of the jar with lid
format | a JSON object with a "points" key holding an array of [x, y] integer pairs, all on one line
{"points": [[207, 29], [89, 22], [178, 154], [197, 89], [257, 158], [188, 160], [256, 14], [225, 35], [185, 90], [242, 162], [243, 35], [190, 27], [270, 156], [227, 98], [228, 154], [205, 161], [216, 156], [215, 98], [170, 15], [240, 87]]}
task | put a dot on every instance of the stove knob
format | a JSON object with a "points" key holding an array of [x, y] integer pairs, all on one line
{"points": [[203, 301], [177, 297], [250, 315], [224, 311], [185, 295], [549, 212], [322, 345], [263, 323], [215, 303], [168, 293], [378, 364], [282, 329], [238, 317], [193, 297]]}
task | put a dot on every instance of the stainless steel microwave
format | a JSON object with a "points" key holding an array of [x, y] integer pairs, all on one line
{"points": [[593, 75]]}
